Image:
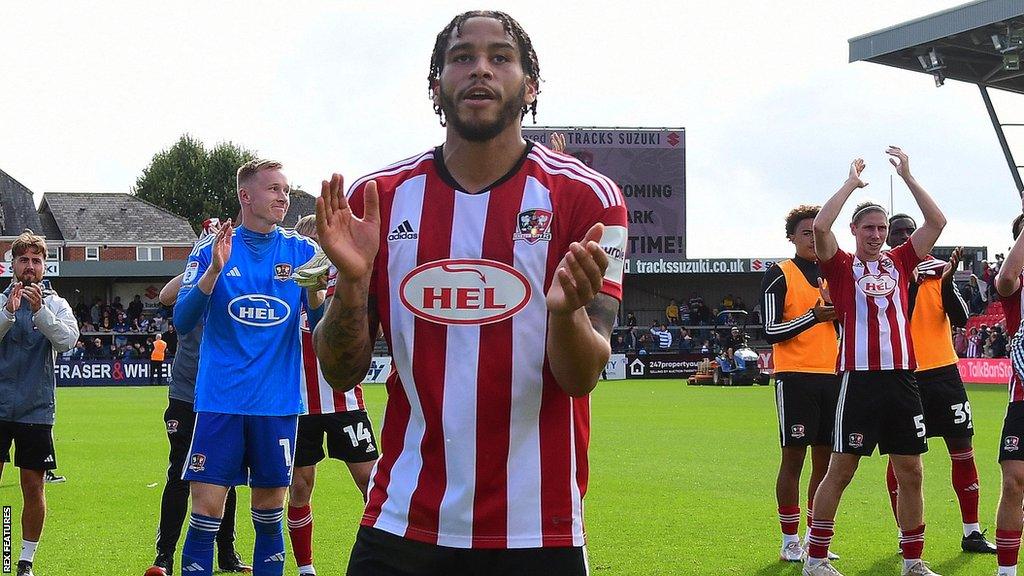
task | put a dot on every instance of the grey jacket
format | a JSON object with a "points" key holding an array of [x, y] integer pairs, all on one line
{"points": [[28, 344]]}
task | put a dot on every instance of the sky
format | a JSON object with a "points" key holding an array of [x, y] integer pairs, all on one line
{"points": [[773, 111]]}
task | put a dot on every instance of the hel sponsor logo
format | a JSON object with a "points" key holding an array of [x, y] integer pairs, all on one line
{"points": [[1011, 444], [403, 231], [465, 291], [533, 226], [876, 284], [282, 271], [796, 431], [855, 440], [172, 426], [191, 271], [259, 310], [197, 463]]}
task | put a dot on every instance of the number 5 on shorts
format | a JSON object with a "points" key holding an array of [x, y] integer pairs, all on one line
{"points": [[919, 424]]}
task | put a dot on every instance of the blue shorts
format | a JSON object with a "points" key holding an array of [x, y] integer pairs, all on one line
{"points": [[234, 449]]}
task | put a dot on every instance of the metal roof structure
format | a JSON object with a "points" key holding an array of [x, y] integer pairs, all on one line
{"points": [[980, 42]]}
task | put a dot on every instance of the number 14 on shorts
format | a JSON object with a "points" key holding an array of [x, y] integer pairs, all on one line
{"points": [[358, 433]]}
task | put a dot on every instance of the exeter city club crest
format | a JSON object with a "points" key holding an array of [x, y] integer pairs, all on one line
{"points": [[532, 226], [797, 431], [856, 440], [282, 271], [1011, 443]]}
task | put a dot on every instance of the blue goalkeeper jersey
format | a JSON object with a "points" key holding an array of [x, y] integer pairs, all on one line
{"points": [[250, 355]]}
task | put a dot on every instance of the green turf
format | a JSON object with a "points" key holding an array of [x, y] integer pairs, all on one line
{"points": [[682, 482]]}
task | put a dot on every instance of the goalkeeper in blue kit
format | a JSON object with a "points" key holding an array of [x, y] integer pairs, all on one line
{"points": [[247, 399]]}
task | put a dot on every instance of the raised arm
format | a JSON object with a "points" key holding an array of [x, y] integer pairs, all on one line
{"points": [[344, 337], [825, 245], [923, 239], [1008, 279], [169, 293]]}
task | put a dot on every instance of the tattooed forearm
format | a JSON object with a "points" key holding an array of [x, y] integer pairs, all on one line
{"points": [[344, 342], [602, 311]]}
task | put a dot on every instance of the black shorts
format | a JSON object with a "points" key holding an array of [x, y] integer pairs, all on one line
{"points": [[33, 445], [380, 553], [879, 408], [947, 412], [349, 438], [180, 420], [806, 405], [1011, 445]]}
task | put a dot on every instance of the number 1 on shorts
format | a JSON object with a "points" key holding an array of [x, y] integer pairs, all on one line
{"points": [[287, 446]]}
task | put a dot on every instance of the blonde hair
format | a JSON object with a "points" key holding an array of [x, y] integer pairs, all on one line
{"points": [[250, 168], [28, 241], [306, 226]]}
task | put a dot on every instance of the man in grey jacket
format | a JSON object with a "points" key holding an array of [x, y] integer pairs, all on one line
{"points": [[35, 325]]}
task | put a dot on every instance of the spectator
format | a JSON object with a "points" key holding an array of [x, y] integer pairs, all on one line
{"points": [[973, 341], [82, 311], [171, 337], [159, 323], [987, 348], [116, 306], [120, 327], [113, 352], [672, 313], [684, 314], [960, 342], [135, 308], [96, 311], [697, 309], [631, 320], [977, 303], [705, 347], [136, 326], [998, 342], [662, 336], [685, 341], [728, 302], [738, 304], [76, 353], [734, 340], [619, 345], [144, 324], [128, 353]]}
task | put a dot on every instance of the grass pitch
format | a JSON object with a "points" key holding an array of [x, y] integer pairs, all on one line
{"points": [[682, 483]]}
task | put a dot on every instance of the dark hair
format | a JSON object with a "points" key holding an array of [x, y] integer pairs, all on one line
{"points": [[1018, 222], [801, 212], [902, 216], [865, 207], [527, 55]]}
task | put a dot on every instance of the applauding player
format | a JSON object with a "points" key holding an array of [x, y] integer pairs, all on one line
{"points": [[247, 389], [879, 404], [495, 269]]}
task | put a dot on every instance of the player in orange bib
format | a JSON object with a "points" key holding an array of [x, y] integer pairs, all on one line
{"points": [[935, 304], [798, 324]]}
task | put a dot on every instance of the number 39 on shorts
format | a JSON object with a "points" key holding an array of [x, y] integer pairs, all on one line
{"points": [[962, 413]]}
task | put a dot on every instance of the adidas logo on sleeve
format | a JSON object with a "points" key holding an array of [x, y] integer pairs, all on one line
{"points": [[403, 231]]}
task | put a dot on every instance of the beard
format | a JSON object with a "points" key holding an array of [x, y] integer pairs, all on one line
{"points": [[481, 131]]}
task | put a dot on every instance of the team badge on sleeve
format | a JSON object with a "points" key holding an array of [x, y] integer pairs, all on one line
{"points": [[533, 226], [191, 272]]}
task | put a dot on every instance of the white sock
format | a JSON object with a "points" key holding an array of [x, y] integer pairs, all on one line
{"points": [[789, 538], [969, 528], [28, 550], [307, 570], [812, 562], [1007, 571], [908, 563]]}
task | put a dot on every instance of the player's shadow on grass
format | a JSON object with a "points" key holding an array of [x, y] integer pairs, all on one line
{"points": [[778, 568]]}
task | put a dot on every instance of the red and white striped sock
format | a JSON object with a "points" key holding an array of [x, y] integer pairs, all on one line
{"points": [[912, 543], [789, 519], [820, 538], [300, 532], [1007, 549]]}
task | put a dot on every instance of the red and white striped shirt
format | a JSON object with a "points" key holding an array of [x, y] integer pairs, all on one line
{"points": [[870, 299], [317, 395], [480, 447], [1012, 306]]}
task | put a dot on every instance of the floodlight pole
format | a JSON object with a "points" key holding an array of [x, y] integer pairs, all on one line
{"points": [[1014, 169]]}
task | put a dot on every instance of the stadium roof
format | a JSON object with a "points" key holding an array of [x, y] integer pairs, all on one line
{"points": [[112, 218], [961, 36], [17, 209]]}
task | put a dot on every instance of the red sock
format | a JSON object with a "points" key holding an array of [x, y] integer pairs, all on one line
{"points": [[821, 538], [789, 518], [912, 543], [300, 532], [965, 484], [894, 489], [1007, 546]]}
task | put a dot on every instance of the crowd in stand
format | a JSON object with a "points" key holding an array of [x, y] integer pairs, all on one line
{"points": [[689, 325], [112, 332]]}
